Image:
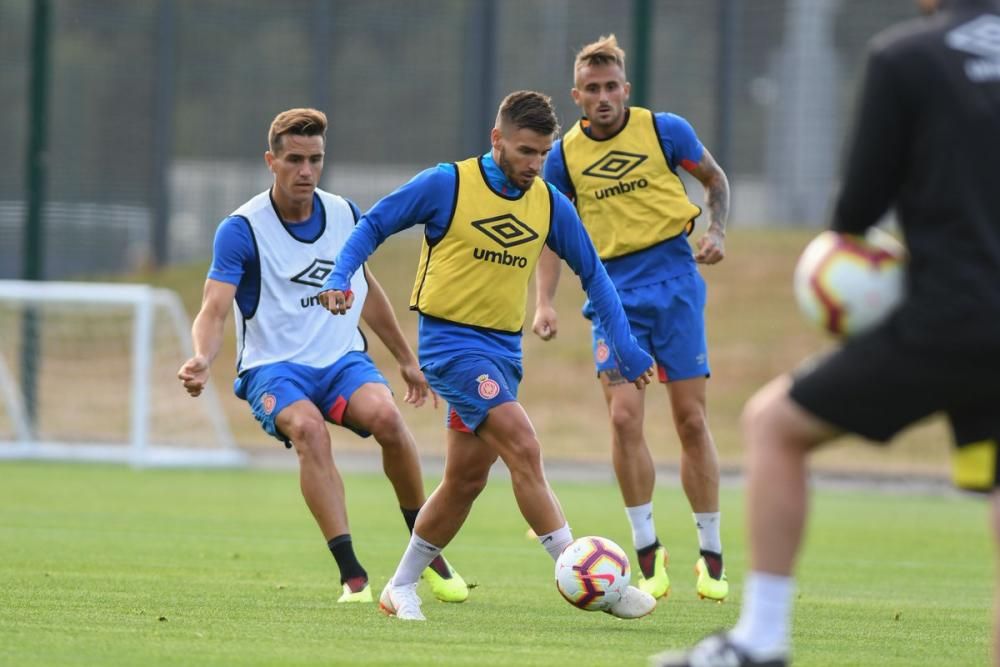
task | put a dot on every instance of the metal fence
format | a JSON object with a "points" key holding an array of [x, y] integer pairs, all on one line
{"points": [[158, 110]]}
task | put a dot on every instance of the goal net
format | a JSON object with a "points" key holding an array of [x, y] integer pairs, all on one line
{"points": [[88, 372]]}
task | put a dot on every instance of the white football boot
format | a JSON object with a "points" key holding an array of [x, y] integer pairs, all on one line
{"points": [[401, 602], [634, 603]]}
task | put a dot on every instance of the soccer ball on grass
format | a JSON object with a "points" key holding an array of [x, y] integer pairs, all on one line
{"points": [[846, 284], [592, 573]]}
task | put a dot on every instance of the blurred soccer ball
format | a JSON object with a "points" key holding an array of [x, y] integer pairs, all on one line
{"points": [[845, 284], [592, 573]]}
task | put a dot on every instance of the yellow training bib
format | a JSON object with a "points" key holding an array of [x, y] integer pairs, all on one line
{"points": [[478, 272], [627, 196]]}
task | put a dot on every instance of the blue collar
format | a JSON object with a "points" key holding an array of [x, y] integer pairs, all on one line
{"points": [[497, 179]]}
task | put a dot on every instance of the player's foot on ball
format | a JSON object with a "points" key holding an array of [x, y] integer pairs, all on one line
{"points": [[633, 604], [401, 602], [717, 651], [654, 579], [356, 590], [712, 584], [446, 584]]}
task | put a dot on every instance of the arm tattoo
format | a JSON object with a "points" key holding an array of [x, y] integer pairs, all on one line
{"points": [[717, 200]]}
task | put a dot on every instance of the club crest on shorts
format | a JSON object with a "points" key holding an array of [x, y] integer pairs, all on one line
{"points": [[268, 402], [602, 351], [488, 387]]}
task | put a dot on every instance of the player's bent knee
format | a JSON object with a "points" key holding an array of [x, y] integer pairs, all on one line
{"points": [[311, 440], [306, 430], [761, 407], [385, 423], [771, 420], [758, 426], [524, 458], [467, 489]]}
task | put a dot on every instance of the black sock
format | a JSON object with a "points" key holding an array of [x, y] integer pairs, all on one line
{"points": [[343, 551], [714, 563], [647, 558], [410, 517]]}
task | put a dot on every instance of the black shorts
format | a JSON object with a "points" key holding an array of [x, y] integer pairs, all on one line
{"points": [[878, 383]]}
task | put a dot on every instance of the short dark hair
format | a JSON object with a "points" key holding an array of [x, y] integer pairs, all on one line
{"points": [[303, 122], [527, 109]]}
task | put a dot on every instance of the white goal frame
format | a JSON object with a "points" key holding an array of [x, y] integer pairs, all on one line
{"points": [[139, 451]]}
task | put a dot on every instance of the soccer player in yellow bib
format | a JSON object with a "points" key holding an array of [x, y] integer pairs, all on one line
{"points": [[619, 166], [485, 221]]}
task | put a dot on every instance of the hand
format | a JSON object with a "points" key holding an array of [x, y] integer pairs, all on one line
{"points": [[546, 323], [194, 374], [644, 379], [417, 389], [711, 247], [336, 301]]}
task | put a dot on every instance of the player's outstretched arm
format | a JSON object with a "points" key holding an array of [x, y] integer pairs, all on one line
{"points": [[379, 315], [546, 322], [206, 335], [712, 246], [410, 204], [570, 240]]}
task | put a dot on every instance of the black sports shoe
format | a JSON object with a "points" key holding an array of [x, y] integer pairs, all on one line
{"points": [[715, 651]]}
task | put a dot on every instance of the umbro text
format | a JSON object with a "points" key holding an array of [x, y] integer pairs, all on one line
{"points": [[622, 188], [503, 257], [309, 301]]}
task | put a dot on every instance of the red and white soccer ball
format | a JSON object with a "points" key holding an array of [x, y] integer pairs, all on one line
{"points": [[845, 284], [592, 573]]}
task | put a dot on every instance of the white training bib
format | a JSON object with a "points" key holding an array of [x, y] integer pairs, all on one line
{"points": [[289, 324]]}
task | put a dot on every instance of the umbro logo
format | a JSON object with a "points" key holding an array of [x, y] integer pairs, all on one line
{"points": [[614, 165], [315, 274], [979, 37], [506, 230]]}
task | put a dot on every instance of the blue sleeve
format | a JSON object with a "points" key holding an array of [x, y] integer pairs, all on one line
{"points": [[427, 199], [555, 171], [678, 139], [568, 239], [232, 251]]}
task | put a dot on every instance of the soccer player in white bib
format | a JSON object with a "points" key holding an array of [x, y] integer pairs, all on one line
{"points": [[298, 366]]}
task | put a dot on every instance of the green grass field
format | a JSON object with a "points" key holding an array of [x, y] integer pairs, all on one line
{"points": [[114, 566]]}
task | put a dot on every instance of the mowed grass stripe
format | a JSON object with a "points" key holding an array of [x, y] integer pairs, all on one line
{"points": [[94, 556]]}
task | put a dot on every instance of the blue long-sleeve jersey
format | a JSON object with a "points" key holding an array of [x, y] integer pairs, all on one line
{"points": [[427, 199]]}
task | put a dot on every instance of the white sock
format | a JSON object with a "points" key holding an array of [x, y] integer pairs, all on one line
{"points": [[764, 619], [557, 540], [709, 538], [418, 555], [643, 529]]}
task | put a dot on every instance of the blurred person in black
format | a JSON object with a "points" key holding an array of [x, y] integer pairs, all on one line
{"points": [[927, 142]]}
